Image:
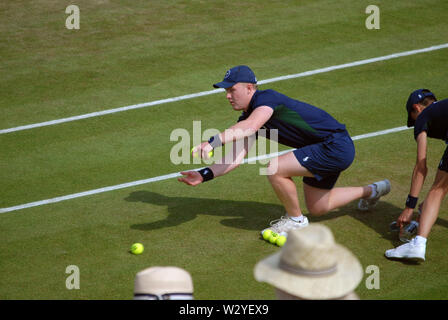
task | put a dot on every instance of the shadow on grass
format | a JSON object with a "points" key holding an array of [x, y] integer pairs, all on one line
{"points": [[248, 215], [377, 219], [251, 215]]}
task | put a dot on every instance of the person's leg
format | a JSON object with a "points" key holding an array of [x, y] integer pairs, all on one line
{"points": [[431, 205], [320, 201], [280, 173]]}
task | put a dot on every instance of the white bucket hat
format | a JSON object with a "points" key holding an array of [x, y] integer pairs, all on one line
{"points": [[163, 281], [311, 266]]}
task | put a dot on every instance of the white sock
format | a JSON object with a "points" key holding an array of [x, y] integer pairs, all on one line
{"points": [[419, 240], [297, 219], [374, 192]]}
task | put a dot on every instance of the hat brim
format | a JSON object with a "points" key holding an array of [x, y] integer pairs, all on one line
{"points": [[224, 84], [345, 280]]}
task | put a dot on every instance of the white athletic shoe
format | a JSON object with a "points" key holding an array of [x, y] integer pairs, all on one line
{"points": [[382, 188], [284, 224], [410, 250]]}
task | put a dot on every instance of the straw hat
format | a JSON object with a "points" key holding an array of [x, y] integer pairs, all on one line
{"points": [[311, 266], [163, 280]]}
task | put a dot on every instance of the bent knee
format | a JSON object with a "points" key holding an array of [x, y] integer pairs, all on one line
{"points": [[439, 190], [317, 210], [272, 170]]}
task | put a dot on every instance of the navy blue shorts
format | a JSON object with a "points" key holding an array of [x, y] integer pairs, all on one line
{"points": [[443, 165], [326, 160]]}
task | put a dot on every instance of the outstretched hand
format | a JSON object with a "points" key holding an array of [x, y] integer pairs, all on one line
{"points": [[204, 150], [405, 217], [191, 178]]}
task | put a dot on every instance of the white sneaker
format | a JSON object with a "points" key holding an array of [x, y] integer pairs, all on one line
{"points": [[382, 188], [284, 224], [408, 250]]}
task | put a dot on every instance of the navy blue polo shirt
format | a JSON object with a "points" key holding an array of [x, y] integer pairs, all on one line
{"points": [[299, 124], [434, 120]]}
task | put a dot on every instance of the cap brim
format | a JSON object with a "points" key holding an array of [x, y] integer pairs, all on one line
{"points": [[345, 280], [224, 84]]}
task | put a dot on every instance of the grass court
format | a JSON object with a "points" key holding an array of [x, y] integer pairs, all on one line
{"points": [[131, 52]]}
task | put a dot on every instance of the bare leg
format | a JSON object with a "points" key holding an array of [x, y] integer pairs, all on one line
{"points": [[280, 175], [431, 205], [319, 201]]}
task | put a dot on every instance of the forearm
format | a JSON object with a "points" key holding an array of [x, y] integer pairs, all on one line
{"points": [[238, 131], [220, 169], [244, 128], [233, 159], [420, 168], [418, 179]]}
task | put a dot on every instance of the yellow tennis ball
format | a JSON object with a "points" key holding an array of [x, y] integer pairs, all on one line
{"points": [[273, 238], [195, 154], [267, 234], [137, 248], [280, 241]]}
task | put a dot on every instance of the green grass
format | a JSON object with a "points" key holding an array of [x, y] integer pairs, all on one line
{"points": [[127, 53]]}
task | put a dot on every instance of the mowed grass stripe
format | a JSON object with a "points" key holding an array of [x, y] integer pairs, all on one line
{"points": [[169, 176], [205, 93]]}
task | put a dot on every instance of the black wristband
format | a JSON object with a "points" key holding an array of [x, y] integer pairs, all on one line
{"points": [[215, 141], [206, 174], [411, 202]]}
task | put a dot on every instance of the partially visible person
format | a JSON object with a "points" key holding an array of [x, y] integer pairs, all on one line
{"points": [[163, 283], [429, 118], [311, 266]]}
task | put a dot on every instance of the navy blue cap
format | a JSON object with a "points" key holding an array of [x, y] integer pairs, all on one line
{"points": [[416, 97], [235, 75]]}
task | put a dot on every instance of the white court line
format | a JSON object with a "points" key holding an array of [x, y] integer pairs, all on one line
{"points": [[169, 176], [205, 93]]}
